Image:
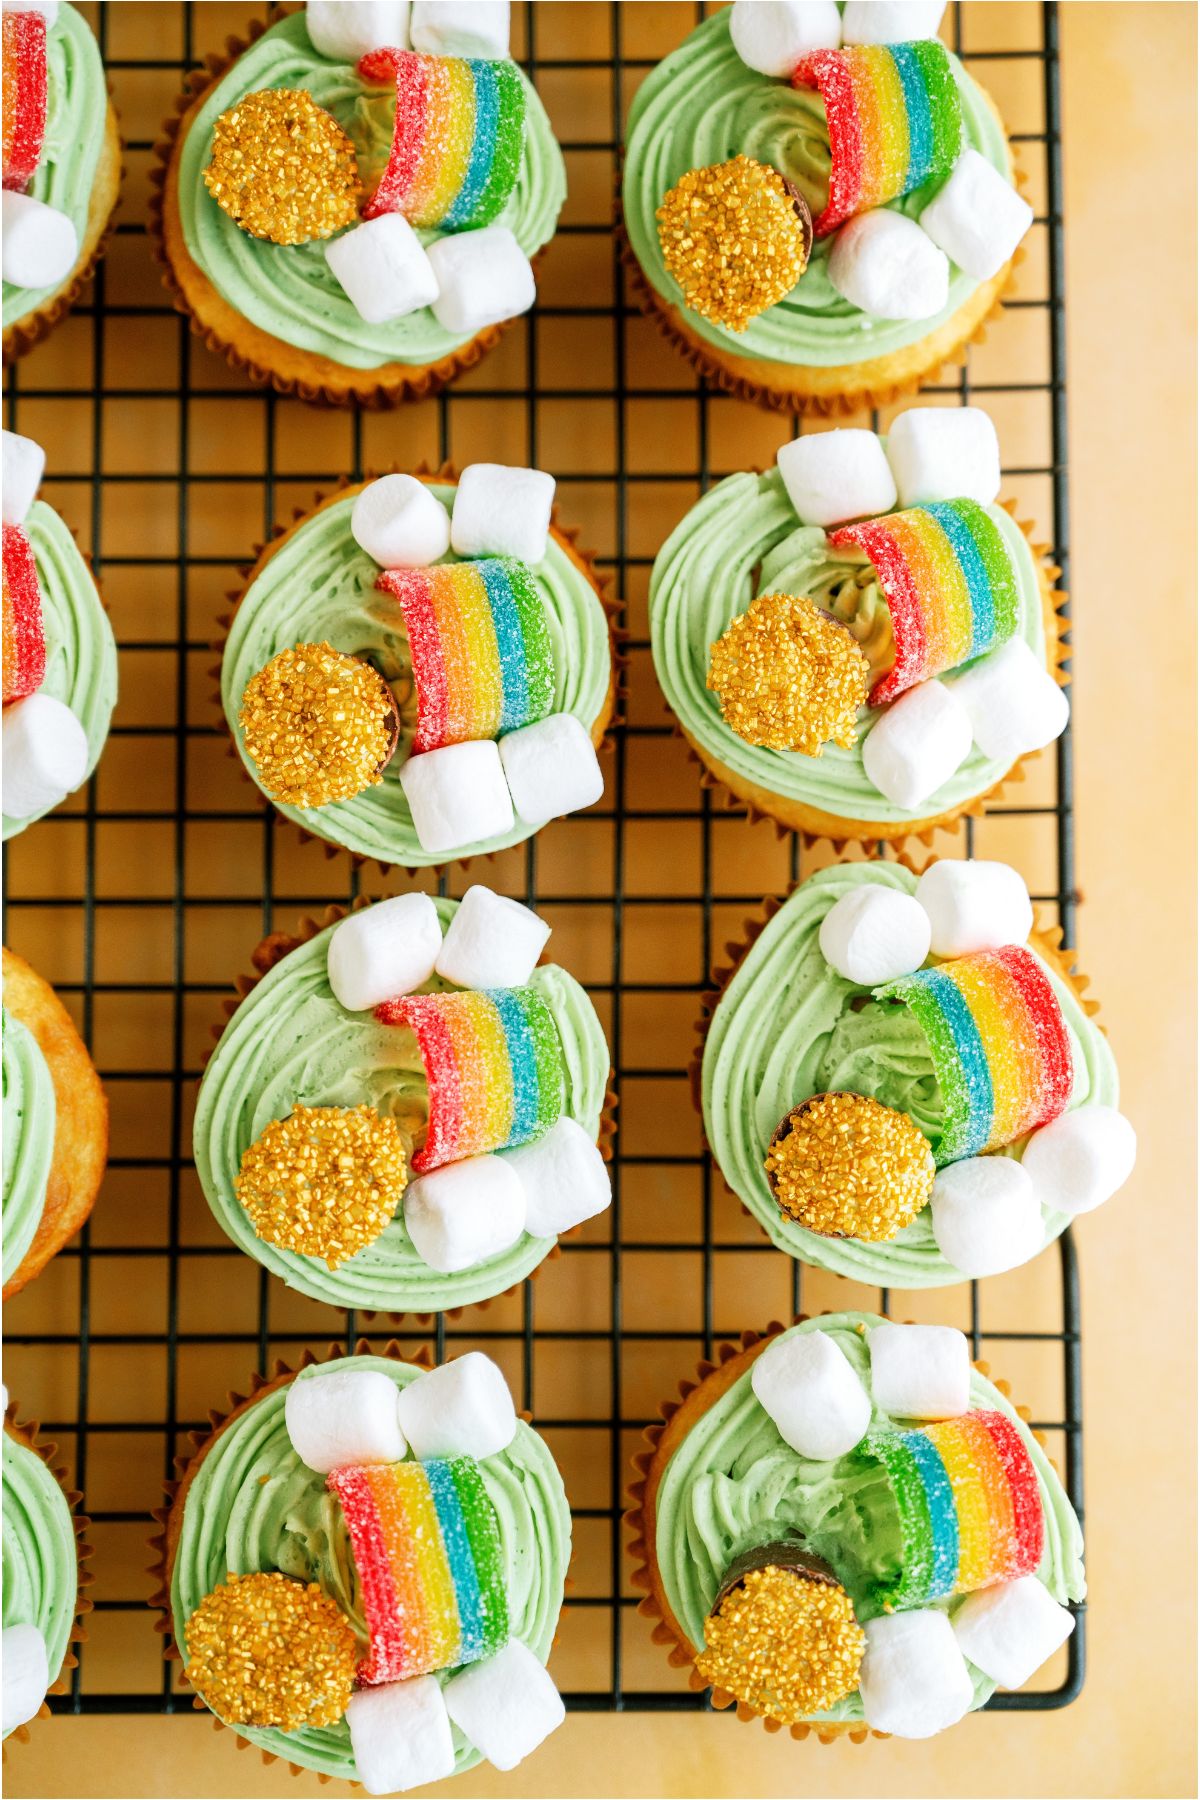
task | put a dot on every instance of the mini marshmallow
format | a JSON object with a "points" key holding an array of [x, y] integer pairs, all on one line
{"points": [[564, 1176], [985, 1215], [817, 1402], [551, 768], [483, 278], [833, 476], [461, 28], [978, 218], [40, 244], [400, 1735], [457, 796], [888, 267], [344, 1418], [944, 453], [464, 1212], [344, 30], [26, 1674], [920, 1371], [914, 1681], [772, 35], [47, 8], [463, 1408], [383, 268], [45, 752], [491, 942], [384, 951], [1013, 702], [974, 906], [400, 523], [500, 511], [890, 21], [1011, 1630], [24, 464], [917, 744], [505, 1705], [873, 934], [1080, 1159]]}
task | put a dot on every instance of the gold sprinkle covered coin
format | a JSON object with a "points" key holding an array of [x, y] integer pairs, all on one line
{"points": [[736, 237], [845, 1165], [318, 725], [283, 168], [325, 1181], [789, 677], [784, 1644], [267, 1650]]}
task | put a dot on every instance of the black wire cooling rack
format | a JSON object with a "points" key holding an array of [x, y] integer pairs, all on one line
{"points": [[142, 899]]}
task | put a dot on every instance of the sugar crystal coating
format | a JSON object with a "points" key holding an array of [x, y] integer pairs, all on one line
{"points": [[263, 1649], [24, 634], [24, 108], [283, 168], [736, 238], [788, 676]]}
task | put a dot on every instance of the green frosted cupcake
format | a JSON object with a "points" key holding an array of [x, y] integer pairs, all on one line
{"points": [[41, 1574]]}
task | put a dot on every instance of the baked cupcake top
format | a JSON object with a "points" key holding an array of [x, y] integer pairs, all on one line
{"points": [[41, 1579], [29, 1109]]}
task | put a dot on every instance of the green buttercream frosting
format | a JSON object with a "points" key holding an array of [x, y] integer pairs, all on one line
{"points": [[733, 1484], [320, 586], [28, 1139], [291, 1043], [289, 290], [787, 1027], [253, 1506], [41, 1568]]}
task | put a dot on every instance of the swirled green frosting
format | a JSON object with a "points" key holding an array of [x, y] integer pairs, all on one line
{"points": [[733, 1484], [41, 1569], [290, 1043], [254, 1506], [289, 290], [320, 586], [702, 105], [81, 653], [28, 1139], [744, 539], [788, 1026]]}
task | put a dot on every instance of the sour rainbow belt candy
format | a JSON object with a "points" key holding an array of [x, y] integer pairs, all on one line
{"points": [[24, 124], [24, 636]]}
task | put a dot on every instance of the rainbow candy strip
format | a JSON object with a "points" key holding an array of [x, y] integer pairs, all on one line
{"points": [[426, 1544], [24, 634], [494, 1066], [999, 1045], [950, 584], [457, 141], [24, 96], [970, 1510], [895, 121], [481, 651]]}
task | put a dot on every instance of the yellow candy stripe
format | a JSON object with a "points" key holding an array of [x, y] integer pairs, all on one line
{"points": [[483, 654], [889, 120], [1009, 1043], [422, 1540], [959, 1455]]}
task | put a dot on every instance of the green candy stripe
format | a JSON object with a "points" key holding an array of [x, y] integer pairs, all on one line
{"points": [[483, 1535], [547, 1050], [535, 630], [509, 146], [944, 103], [998, 563], [910, 1587]]}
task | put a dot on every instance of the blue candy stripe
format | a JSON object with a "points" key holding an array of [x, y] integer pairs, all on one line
{"points": [[920, 119], [460, 1560], [522, 1058], [943, 1516], [973, 1059], [949, 515], [510, 642]]}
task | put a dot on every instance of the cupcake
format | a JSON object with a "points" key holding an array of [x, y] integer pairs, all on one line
{"points": [[362, 1570], [901, 1080], [402, 1113], [819, 221], [62, 166], [350, 219], [55, 1126], [60, 657], [844, 1528], [421, 668], [861, 644]]}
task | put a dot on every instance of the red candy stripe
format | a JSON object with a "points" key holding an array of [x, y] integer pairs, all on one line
{"points": [[24, 96], [903, 604], [389, 1646], [429, 666], [408, 71], [1028, 1519], [422, 1016], [24, 635], [1050, 1028], [829, 72]]}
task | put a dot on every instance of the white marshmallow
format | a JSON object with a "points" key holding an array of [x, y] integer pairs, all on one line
{"points": [[400, 523], [26, 1675], [974, 906], [551, 768], [383, 268], [914, 1681], [817, 1402], [491, 942], [505, 1705], [463, 1408], [461, 28], [1013, 702], [1080, 1159], [944, 453], [40, 243], [978, 218], [343, 1418], [888, 267], [24, 465], [384, 951], [832, 476], [47, 8], [985, 1215], [874, 934], [344, 30], [890, 21], [400, 1735], [772, 35], [45, 751], [483, 277], [1011, 1630], [920, 1371], [464, 1212], [500, 511], [457, 796], [917, 744], [564, 1176]]}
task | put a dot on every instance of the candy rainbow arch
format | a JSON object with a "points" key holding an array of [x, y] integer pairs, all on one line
{"points": [[24, 634], [24, 76]]}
